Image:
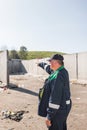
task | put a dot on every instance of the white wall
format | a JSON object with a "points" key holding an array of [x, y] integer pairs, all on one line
{"points": [[74, 63], [82, 66], [4, 75], [70, 65]]}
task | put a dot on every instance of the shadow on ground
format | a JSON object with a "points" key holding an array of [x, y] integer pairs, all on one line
{"points": [[23, 90]]}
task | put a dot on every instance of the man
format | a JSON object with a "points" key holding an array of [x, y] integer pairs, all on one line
{"points": [[55, 102]]}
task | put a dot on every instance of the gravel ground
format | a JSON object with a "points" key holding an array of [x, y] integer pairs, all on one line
{"points": [[25, 97]]}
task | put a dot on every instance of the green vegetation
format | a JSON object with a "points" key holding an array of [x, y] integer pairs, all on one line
{"points": [[41, 54], [21, 54], [13, 54], [31, 54], [24, 54], [27, 55]]}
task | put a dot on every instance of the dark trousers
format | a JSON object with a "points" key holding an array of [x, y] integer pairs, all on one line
{"points": [[59, 123], [60, 119]]}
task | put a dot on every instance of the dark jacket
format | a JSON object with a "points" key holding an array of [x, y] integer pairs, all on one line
{"points": [[56, 93], [46, 67]]}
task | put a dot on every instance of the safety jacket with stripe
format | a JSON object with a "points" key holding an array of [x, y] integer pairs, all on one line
{"points": [[56, 93]]}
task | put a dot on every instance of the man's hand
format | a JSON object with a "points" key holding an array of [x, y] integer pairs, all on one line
{"points": [[48, 122]]}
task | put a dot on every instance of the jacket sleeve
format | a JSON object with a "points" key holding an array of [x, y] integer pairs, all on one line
{"points": [[55, 97], [46, 67]]}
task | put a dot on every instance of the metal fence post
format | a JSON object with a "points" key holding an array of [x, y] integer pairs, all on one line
{"points": [[76, 65]]}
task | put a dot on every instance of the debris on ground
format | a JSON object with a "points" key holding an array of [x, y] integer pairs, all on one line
{"points": [[17, 116], [3, 86]]}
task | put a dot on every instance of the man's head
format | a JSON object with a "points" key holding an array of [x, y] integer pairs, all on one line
{"points": [[56, 61]]}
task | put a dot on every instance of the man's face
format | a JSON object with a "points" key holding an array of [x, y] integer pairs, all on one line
{"points": [[53, 64]]}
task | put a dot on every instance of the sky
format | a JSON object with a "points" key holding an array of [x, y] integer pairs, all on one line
{"points": [[44, 25]]}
